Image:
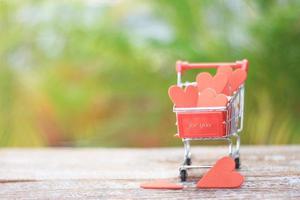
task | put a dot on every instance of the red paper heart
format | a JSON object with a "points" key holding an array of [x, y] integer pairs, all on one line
{"points": [[205, 80], [161, 184], [226, 69], [235, 80], [183, 98], [222, 175], [209, 98]]}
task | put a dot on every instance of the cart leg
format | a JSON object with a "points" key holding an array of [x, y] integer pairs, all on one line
{"points": [[187, 152], [186, 160], [237, 162], [183, 175], [230, 146], [236, 155], [234, 152]]}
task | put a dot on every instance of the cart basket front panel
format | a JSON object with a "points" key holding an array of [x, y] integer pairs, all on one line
{"points": [[202, 124]]}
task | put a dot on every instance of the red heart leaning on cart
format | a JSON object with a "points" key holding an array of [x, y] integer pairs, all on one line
{"points": [[222, 175], [235, 78], [209, 97], [217, 82], [184, 97]]}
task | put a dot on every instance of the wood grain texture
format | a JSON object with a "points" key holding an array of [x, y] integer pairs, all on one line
{"points": [[271, 172]]}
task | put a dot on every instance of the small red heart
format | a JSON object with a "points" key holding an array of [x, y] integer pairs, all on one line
{"points": [[184, 98], [226, 69], [205, 80], [222, 175], [236, 79], [209, 98], [161, 184]]}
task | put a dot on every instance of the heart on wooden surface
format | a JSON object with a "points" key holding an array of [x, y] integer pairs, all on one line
{"points": [[222, 175], [209, 97], [184, 97], [161, 184], [206, 80]]}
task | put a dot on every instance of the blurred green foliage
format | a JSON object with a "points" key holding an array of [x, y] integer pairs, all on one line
{"points": [[96, 73]]}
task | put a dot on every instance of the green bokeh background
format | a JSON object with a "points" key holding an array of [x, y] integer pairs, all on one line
{"points": [[96, 73]]}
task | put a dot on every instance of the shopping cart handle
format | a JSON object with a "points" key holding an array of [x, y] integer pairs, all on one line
{"points": [[181, 66]]}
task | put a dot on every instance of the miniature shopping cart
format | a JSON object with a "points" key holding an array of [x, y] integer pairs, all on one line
{"points": [[210, 123]]}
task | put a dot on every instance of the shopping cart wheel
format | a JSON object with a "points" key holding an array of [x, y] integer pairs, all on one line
{"points": [[188, 161], [237, 162], [183, 175]]}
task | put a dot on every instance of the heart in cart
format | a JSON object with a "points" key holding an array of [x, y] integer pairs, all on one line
{"points": [[218, 113]]}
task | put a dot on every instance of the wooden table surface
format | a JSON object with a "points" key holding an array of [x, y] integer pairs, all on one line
{"points": [[103, 173]]}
